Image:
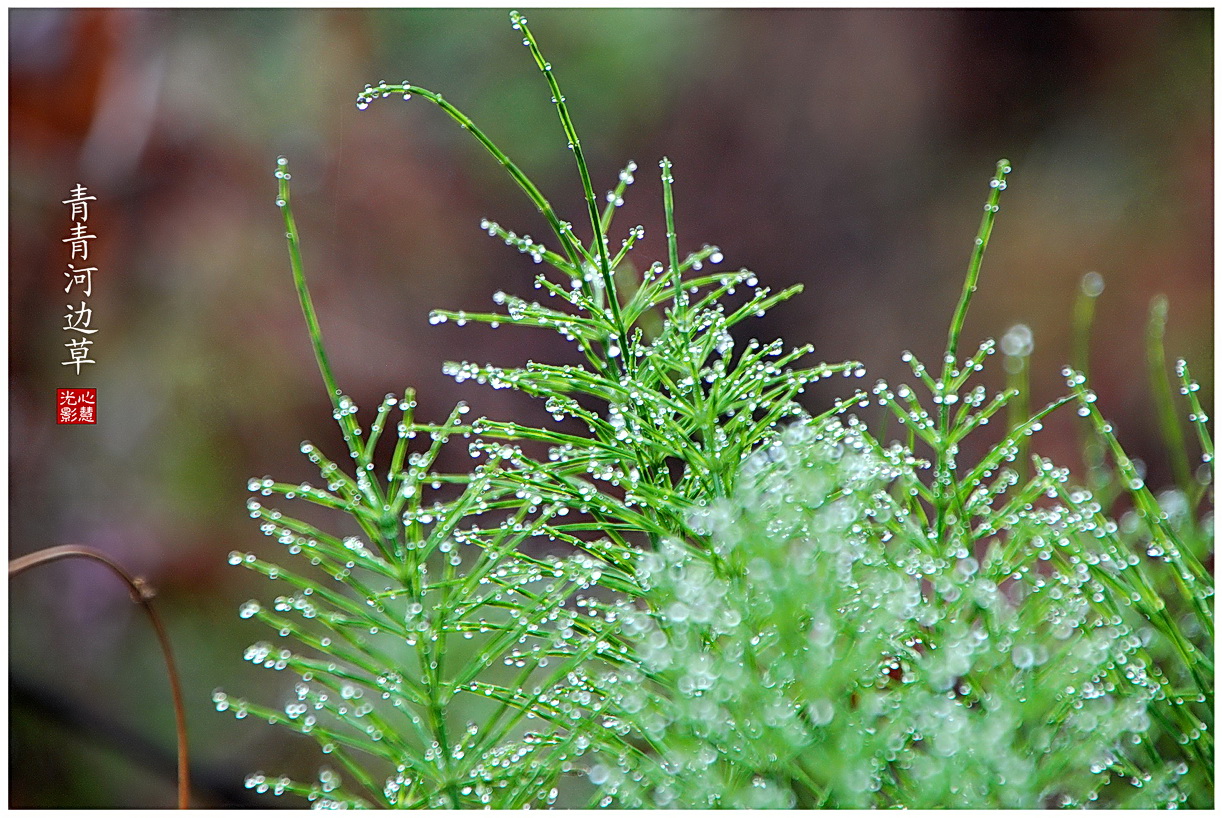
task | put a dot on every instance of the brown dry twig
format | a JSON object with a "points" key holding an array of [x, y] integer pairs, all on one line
{"points": [[142, 595]]}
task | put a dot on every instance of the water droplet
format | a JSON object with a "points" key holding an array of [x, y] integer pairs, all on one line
{"points": [[1018, 341], [1092, 285], [1023, 657]]}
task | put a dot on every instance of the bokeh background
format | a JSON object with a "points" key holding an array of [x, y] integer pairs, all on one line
{"points": [[845, 149]]}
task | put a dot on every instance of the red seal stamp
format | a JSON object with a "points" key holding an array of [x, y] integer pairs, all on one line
{"points": [[76, 406]]}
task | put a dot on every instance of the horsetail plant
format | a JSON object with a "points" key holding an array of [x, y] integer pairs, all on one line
{"points": [[756, 606]]}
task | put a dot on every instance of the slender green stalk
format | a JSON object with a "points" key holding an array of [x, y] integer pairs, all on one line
{"points": [[944, 466], [1089, 290], [1199, 418], [284, 202], [1017, 346], [1093, 452], [997, 185], [574, 142], [560, 228], [668, 206], [1164, 404], [576, 253], [1018, 381]]}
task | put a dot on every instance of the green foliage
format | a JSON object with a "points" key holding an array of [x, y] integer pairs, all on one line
{"points": [[438, 604], [832, 664], [712, 598]]}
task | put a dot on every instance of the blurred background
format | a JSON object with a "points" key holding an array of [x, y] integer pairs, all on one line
{"points": [[848, 150]]}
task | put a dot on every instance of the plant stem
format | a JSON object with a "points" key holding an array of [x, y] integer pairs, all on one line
{"points": [[566, 121], [943, 469], [1164, 405], [142, 594], [303, 292], [997, 185]]}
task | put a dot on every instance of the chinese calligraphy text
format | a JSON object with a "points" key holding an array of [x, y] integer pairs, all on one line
{"points": [[79, 319]]}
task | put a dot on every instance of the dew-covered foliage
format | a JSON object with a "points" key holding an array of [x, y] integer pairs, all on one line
{"points": [[431, 602], [827, 651], [693, 593]]}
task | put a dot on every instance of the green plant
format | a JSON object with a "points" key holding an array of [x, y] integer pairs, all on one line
{"points": [[759, 607]]}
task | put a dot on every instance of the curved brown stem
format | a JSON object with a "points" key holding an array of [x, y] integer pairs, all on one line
{"points": [[142, 595]]}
